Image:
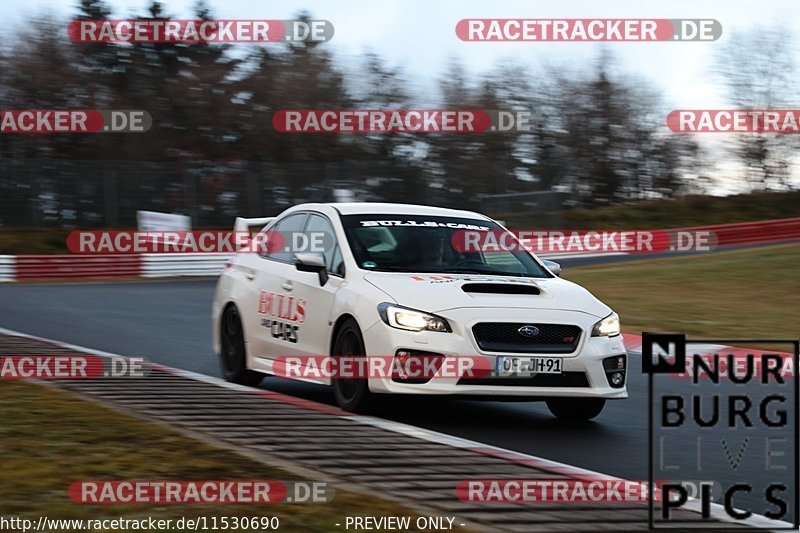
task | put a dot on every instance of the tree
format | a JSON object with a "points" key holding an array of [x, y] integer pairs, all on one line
{"points": [[759, 72]]}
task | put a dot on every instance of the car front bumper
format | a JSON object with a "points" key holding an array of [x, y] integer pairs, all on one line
{"points": [[583, 372]]}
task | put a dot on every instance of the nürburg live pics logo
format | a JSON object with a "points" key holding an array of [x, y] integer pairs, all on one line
{"points": [[722, 432]]}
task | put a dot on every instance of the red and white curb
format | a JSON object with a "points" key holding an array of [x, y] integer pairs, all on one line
{"points": [[717, 510]]}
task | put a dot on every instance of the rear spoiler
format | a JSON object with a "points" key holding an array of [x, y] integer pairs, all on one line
{"points": [[244, 224]]}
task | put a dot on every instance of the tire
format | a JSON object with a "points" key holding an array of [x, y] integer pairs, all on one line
{"points": [[232, 356], [576, 408], [351, 394]]}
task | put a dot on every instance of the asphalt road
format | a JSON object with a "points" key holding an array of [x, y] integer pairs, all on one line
{"points": [[168, 322]]}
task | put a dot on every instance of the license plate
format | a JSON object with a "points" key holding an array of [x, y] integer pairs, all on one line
{"points": [[513, 365]]}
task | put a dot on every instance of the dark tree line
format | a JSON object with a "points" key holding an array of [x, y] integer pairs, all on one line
{"points": [[596, 137]]}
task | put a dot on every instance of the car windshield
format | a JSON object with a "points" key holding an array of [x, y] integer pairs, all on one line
{"points": [[429, 244]]}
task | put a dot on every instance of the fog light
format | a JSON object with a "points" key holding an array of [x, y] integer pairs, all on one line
{"points": [[616, 363], [423, 364], [402, 356], [617, 379]]}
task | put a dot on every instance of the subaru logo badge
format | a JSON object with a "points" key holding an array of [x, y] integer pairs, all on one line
{"points": [[528, 331]]}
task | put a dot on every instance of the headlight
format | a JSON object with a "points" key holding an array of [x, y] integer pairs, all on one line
{"points": [[404, 318], [608, 327]]}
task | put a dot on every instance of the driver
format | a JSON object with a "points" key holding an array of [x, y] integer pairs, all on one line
{"points": [[432, 247]]}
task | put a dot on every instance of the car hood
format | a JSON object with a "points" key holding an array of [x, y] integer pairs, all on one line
{"points": [[438, 293]]}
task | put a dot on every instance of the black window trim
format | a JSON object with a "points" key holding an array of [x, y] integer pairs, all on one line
{"points": [[275, 224], [326, 217], [307, 214]]}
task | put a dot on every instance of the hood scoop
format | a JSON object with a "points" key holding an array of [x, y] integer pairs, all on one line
{"points": [[499, 288]]}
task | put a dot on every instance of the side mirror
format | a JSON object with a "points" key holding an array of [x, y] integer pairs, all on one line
{"points": [[312, 262], [554, 267]]}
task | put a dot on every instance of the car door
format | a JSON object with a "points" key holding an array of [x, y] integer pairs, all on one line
{"points": [[313, 333], [274, 316]]}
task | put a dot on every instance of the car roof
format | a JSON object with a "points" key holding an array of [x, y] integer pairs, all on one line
{"points": [[378, 208]]}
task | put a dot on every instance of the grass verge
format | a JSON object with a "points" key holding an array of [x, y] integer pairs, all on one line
{"points": [[737, 294], [50, 439]]}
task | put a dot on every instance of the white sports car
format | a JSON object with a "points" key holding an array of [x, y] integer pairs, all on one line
{"points": [[386, 280]]}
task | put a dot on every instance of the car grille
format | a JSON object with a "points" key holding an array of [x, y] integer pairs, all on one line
{"points": [[505, 337], [566, 379]]}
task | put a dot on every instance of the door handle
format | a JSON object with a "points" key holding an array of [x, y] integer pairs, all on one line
{"points": [[250, 275], [287, 285]]}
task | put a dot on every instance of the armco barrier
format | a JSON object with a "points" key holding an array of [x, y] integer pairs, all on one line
{"points": [[742, 233], [736, 234], [52, 267], [49, 267], [8, 270], [166, 265]]}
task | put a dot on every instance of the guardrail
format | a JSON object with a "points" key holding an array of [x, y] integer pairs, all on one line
{"points": [[8, 269], [167, 265], [736, 234], [50, 267], [766, 231], [54, 267]]}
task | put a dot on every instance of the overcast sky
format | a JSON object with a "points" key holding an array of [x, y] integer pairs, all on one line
{"points": [[419, 35]]}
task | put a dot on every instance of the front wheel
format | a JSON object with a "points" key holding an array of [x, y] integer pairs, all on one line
{"points": [[352, 394], [233, 357], [576, 408]]}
